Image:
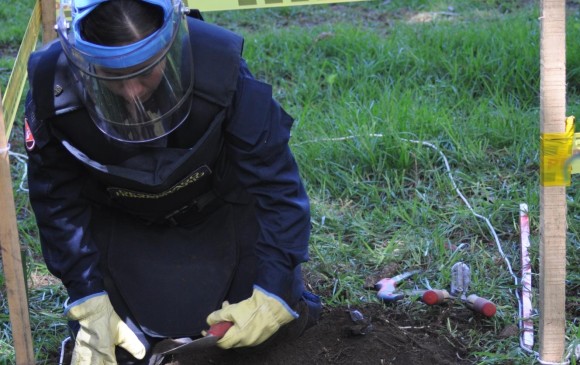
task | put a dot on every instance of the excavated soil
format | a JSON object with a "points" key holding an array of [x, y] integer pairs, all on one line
{"points": [[385, 336], [399, 334]]}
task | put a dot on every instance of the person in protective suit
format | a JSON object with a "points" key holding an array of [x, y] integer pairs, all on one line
{"points": [[165, 193]]}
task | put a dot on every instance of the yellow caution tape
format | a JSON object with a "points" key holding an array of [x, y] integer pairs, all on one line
{"points": [[18, 76], [555, 153], [217, 5], [220, 5]]}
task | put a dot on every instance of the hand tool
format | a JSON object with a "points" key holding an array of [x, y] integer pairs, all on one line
{"points": [[387, 287], [435, 296], [180, 345], [480, 305], [472, 301], [460, 280]]}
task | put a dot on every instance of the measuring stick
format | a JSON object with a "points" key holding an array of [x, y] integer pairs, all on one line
{"points": [[553, 207]]}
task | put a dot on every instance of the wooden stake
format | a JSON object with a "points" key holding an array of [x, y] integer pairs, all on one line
{"points": [[48, 20], [552, 198], [12, 259]]}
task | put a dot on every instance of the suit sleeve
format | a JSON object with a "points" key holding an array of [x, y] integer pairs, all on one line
{"points": [[258, 135], [55, 182]]}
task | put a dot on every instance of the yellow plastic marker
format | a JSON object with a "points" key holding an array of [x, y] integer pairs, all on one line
{"points": [[555, 153]]}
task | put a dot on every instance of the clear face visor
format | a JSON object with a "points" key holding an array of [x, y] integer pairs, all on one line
{"points": [[132, 99]]}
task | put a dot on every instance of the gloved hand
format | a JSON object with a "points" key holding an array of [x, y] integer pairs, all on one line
{"points": [[101, 330], [255, 319]]}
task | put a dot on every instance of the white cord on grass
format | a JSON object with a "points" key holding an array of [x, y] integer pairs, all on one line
{"points": [[22, 159], [63, 350], [487, 222]]}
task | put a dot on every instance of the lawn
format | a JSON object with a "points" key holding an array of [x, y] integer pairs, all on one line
{"points": [[417, 136]]}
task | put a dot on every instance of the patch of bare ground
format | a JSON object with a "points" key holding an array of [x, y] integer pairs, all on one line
{"points": [[384, 337]]}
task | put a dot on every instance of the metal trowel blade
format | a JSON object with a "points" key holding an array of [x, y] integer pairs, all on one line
{"points": [[181, 345]]}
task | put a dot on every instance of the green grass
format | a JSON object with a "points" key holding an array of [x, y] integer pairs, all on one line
{"points": [[14, 16], [461, 75]]}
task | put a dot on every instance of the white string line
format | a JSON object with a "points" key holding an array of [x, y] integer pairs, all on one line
{"points": [[552, 363], [487, 222], [62, 350], [5, 149], [22, 160]]}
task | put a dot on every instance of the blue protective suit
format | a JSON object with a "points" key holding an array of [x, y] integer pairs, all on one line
{"points": [[159, 218]]}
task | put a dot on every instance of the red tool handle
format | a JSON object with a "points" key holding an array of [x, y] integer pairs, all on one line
{"points": [[481, 305], [219, 329], [435, 296]]}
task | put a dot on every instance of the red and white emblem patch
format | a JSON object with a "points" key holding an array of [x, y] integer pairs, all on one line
{"points": [[28, 137]]}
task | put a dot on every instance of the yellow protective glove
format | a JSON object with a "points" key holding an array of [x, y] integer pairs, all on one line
{"points": [[255, 319], [101, 330]]}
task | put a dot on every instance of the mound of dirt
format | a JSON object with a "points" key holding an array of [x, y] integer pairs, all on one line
{"points": [[382, 336]]}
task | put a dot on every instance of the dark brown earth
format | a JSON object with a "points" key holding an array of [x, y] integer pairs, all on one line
{"points": [[406, 332], [385, 336]]}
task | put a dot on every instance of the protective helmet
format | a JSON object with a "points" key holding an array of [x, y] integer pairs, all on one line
{"points": [[134, 92]]}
